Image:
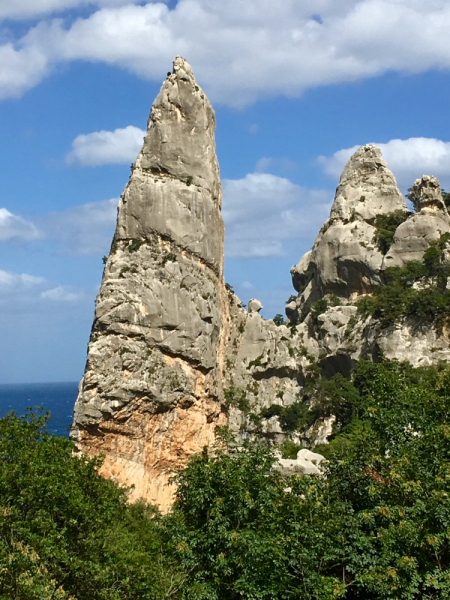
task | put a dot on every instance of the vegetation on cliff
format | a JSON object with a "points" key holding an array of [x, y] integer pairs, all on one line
{"points": [[419, 289], [375, 526]]}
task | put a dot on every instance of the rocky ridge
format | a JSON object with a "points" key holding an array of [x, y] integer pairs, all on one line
{"points": [[173, 352]]}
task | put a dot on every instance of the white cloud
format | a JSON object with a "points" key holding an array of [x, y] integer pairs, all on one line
{"points": [[408, 159], [20, 289], [11, 282], [15, 228], [106, 147], [83, 230], [60, 294], [262, 211], [242, 51], [24, 9]]}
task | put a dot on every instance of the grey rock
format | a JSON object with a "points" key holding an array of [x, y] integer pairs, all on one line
{"points": [[413, 237], [306, 463], [345, 260], [254, 306], [156, 339], [173, 353], [427, 193]]}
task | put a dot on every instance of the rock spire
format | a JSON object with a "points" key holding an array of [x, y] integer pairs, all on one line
{"points": [[150, 395]]}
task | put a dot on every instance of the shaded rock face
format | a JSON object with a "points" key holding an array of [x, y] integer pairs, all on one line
{"points": [[151, 392]]}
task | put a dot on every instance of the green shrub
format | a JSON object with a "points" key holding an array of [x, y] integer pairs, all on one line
{"points": [[386, 224], [278, 320], [318, 308], [375, 527], [398, 297], [66, 531], [237, 398], [289, 449]]}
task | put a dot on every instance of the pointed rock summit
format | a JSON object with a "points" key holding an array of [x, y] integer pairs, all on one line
{"points": [[345, 259], [150, 395]]}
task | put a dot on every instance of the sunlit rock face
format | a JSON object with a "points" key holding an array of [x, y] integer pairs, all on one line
{"points": [[431, 220], [151, 393], [173, 353], [345, 259]]}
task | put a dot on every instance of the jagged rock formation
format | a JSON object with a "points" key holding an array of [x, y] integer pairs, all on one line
{"points": [[173, 352], [150, 395], [345, 259], [431, 220]]}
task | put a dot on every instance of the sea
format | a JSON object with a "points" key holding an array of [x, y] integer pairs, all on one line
{"points": [[57, 398]]}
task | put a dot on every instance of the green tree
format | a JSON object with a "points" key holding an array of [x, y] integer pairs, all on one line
{"points": [[66, 531]]}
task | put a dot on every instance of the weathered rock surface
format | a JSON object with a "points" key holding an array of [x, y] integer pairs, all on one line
{"points": [[431, 220], [345, 259], [306, 463], [151, 393], [173, 352]]}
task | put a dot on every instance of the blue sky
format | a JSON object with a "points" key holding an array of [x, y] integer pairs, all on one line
{"points": [[296, 87]]}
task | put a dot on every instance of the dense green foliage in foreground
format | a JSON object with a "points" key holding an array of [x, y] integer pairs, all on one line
{"points": [[376, 526]]}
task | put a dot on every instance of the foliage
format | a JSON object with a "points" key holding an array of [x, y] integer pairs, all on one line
{"points": [[134, 244], [322, 305], [278, 320], [318, 308], [66, 531], [446, 198], [418, 289], [385, 225], [375, 527], [237, 398], [289, 449]]}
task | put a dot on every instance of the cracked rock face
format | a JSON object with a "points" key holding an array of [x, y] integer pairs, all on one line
{"points": [[150, 395]]}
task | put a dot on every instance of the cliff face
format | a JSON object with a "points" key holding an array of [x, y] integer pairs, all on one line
{"points": [[150, 395], [173, 353]]}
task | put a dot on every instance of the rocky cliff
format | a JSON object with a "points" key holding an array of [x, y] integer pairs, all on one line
{"points": [[173, 353], [151, 392]]}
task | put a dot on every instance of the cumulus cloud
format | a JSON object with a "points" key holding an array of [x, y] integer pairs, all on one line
{"points": [[408, 159], [15, 228], [10, 282], [106, 147], [261, 211], [20, 9], [260, 48], [20, 289], [83, 230], [60, 294]]}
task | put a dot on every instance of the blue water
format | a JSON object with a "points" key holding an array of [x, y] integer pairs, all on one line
{"points": [[58, 398]]}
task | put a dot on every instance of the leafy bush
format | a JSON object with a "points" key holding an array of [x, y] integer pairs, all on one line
{"points": [[386, 224], [318, 308], [289, 449], [375, 527], [66, 531], [419, 289], [278, 320]]}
